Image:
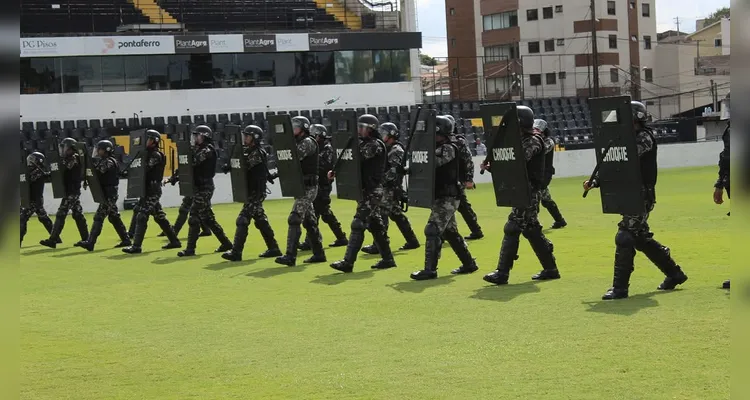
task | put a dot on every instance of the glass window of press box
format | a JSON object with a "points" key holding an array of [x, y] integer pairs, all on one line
{"points": [[202, 71]]}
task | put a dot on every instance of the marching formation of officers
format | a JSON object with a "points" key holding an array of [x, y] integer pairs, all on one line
{"points": [[382, 171]]}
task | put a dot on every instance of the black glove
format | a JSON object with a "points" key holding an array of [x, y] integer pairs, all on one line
{"points": [[85, 184], [272, 177], [226, 168], [124, 174]]}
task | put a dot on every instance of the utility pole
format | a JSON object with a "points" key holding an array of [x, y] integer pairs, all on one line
{"points": [[594, 50], [677, 21]]}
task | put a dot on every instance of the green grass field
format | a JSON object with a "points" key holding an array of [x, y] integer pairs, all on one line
{"points": [[106, 325]]}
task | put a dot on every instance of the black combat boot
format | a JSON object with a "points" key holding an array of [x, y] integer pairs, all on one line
{"points": [[166, 229], [554, 211], [725, 285], [180, 221], [217, 230], [121, 230], [475, 235], [96, 230], [623, 268], [370, 249], [272, 246], [661, 257], [468, 264], [316, 244], [292, 240], [335, 226], [83, 229], [350, 256], [384, 249], [133, 223], [205, 231], [402, 222], [240, 236], [55, 234], [305, 245], [508, 256], [543, 249], [192, 241], [140, 232], [431, 254]]}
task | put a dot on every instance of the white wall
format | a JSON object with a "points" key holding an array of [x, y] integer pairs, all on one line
{"points": [[725, 36], [72, 106], [567, 164]]}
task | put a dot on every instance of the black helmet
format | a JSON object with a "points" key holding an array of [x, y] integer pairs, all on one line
{"points": [[541, 125], [35, 159], [368, 121], [105, 145], [153, 134], [525, 117], [443, 126], [389, 129], [65, 144], [301, 122], [453, 121], [639, 111], [319, 131], [203, 130], [253, 131]]}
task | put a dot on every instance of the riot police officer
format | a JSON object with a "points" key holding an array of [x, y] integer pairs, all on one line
{"points": [[633, 231], [441, 224], [257, 179], [541, 127], [73, 169], [466, 174], [204, 169], [182, 212], [393, 190], [525, 220], [303, 211], [108, 172], [369, 211], [36, 174], [322, 203], [722, 183], [149, 205]]}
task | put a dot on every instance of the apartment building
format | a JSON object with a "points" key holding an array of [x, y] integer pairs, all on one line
{"points": [[543, 48]]}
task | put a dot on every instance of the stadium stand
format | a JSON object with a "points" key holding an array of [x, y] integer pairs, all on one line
{"points": [[77, 16]]}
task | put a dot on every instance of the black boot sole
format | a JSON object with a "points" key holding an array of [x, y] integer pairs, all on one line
{"points": [[170, 246], [271, 253]]}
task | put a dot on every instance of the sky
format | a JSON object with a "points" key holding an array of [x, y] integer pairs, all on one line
{"points": [[431, 19]]}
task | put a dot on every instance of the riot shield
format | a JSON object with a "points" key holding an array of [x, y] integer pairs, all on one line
{"points": [[421, 189], [92, 179], [620, 180], [184, 161], [56, 169], [346, 144], [506, 155], [237, 162], [287, 160], [138, 164], [24, 187]]}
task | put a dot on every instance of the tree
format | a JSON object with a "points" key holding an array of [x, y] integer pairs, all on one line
{"points": [[424, 59], [716, 16]]}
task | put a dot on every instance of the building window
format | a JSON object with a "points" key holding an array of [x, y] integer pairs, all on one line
{"points": [[454, 72], [453, 11], [547, 12], [611, 8], [612, 41], [561, 42], [558, 9], [532, 15], [717, 42], [561, 75], [646, 10], [549, 45], [614, 75], [551, 78], [497, 85], [500, 53], [500, 21], [647, 42], [535, 79], [533, 47], [453, 42], [648, 74]]}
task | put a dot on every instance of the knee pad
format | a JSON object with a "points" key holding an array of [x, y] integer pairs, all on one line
{"points": [[141, 217], [512, 228], [431, 230], [294, 219], [61, 214], [260, 222], [309, 223], [358, 225], [243, 221], [113, 218], [98, 218], [194, 220], [624, 238]]}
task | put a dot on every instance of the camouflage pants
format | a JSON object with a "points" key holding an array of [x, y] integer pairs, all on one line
{"points": [[303, 214], [527, 218], [252, 210], [443, 214], [544, 195], [150, 205], [36, 207], [303, 207], [200, 209], [322, 204], [637, 225], [441, 225], [370, 211], [72, 204], [107, 208]]}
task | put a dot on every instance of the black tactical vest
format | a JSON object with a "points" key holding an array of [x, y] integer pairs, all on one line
{"points": [[535, 168], [324, 167], [310, 165], [110, 179], [373, 170], [447, 177], [649, 169], [203, 173], [155, 174], [36, 188], [73, 177], [257, 176], [398, 183], [461, 155], [549, 168]]}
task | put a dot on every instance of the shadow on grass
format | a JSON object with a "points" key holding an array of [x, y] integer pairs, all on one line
{"points": [[82, 252], [44, 250], [220, 266], [413, 286], [276, 271], [505, 293], [628, 306], [126, 256], [340, 277], [171, 260]]}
